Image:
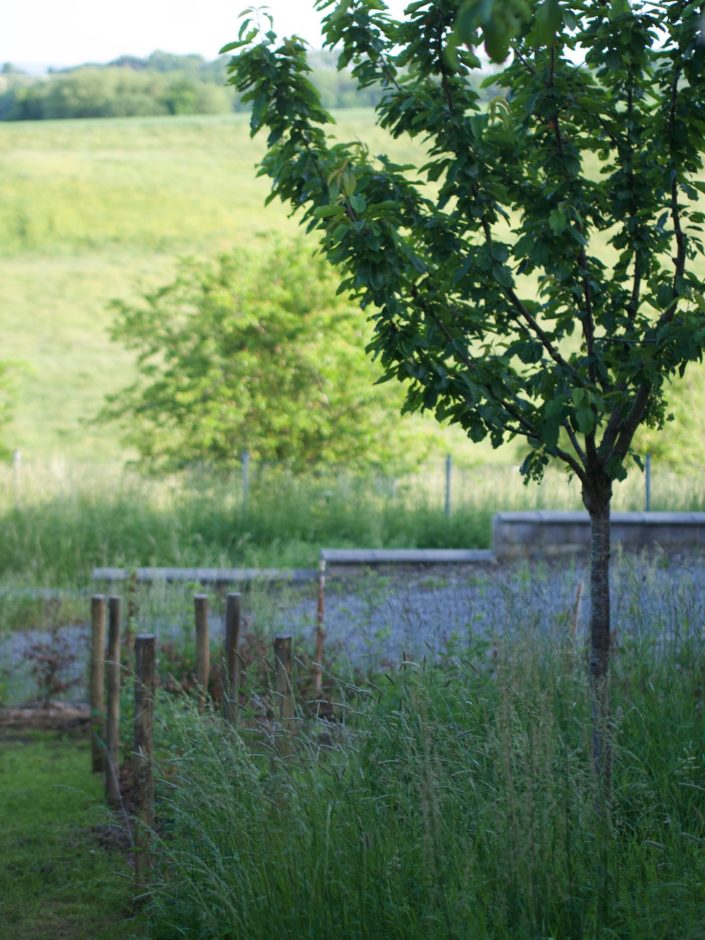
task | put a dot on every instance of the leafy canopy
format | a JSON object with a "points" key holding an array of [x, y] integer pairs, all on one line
{"points": [[537, 276], [254, 353]]}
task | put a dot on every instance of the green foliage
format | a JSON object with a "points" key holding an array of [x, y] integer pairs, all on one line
{"points": [[449, 801], [258, 354], [93, 91], [536, 333], [162, 83]]}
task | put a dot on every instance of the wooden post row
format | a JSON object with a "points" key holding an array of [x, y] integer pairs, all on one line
{"points": [[112, 763], [232, 662], [145, 679], [97, 683]]}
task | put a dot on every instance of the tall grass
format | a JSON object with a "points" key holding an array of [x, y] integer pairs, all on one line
{"points": [[454, 801], [61, 522]]}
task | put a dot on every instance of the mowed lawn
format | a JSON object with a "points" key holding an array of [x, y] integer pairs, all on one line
{"points": [[63, 875]]}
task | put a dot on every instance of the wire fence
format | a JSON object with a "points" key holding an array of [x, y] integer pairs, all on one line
{"points": [[440, 483]]}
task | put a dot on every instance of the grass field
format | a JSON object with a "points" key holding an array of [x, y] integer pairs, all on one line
{"points": [[58, 525], [96, 210]]}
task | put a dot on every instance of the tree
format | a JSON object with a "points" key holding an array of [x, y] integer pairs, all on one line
{"points": [[536, 276], [255, 353]]}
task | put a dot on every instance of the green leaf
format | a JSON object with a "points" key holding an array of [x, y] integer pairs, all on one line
{"points": [[357, 202], [558, 221], [325, 212], [497, 40], [348, 182], [548, 21], [593, 105], [472, 14], [585, 419], [664, 296]]}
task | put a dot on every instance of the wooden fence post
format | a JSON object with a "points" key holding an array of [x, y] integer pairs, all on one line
{"points": [[232, 662], [282, 680], [97, 683], [200, 603], [112, 764], [320, 629], [449, 477], [131, 616], [145, 679]]}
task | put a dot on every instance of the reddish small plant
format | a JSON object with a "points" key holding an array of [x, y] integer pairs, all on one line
{"points": [[51, 662]]}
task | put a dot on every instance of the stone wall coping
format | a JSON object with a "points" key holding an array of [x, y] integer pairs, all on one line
{"points": [[571, 517], [409, 556]]}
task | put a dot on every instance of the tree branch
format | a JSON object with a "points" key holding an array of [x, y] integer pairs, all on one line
{"points": [[531, 321], [632, 421], [574, 441], [587, 321]]}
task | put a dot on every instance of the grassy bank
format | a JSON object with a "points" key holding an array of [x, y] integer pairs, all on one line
{"points": [[94, 210], [61, 875], [455, 801]]}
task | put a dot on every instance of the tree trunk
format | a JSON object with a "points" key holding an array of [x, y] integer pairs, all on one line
{"points": [[597, 496]]}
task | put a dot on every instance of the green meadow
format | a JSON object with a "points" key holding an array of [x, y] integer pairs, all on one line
{"points": [[95, 210]]}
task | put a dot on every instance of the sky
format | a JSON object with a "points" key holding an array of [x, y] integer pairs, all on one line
{"points": [[39, 33]]}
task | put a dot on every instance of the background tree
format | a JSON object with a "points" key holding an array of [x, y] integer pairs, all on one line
{"points": [[258, 354], [536, 277]]}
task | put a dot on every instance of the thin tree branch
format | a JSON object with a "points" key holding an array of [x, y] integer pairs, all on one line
{"points": [[574, 441], [632, 421], [532, 322], [587, 321]]}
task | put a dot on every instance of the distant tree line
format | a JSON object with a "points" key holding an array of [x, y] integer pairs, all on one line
{"points": [[161, 84]]}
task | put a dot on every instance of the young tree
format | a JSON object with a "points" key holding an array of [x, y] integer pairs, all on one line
{"points": [[536, 276], [257, 353]]}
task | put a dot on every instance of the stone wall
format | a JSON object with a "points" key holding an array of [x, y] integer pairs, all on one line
{"points": [[547, 534]]}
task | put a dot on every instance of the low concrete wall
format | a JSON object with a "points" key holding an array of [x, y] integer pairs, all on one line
{"points": [[546, 534], [343, 562], [405, 556]]}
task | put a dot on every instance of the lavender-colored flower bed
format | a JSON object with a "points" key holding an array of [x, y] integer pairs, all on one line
{"points": [[374, 620]]}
